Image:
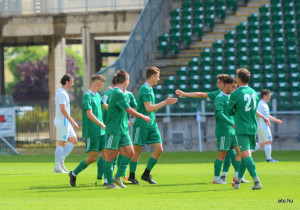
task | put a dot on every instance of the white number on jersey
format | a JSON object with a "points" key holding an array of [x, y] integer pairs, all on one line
{"points": [[248, 99]]}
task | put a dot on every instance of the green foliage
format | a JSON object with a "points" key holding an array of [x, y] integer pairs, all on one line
{"points": [[20, 55], [184, 182], [78, 58]]}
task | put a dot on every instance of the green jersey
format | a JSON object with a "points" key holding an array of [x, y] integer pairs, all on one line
{"points": [[224, 122], [93, 102], [106, 100], [242, 105], [131, 99], [145, 94], [117, 117], [213, 95]]}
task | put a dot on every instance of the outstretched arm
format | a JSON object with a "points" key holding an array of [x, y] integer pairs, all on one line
{"points": [[274, 119], [154, 107], [191, 95]]}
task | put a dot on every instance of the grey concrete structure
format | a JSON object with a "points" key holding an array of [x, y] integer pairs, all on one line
{"points": [[54, 30]]}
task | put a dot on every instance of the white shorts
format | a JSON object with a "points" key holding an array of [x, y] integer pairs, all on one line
{"points": [[64, 132], [264, 134]]}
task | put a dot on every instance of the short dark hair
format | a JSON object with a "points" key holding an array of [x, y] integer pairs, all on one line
{"points": [[222, 77], [98, 77], [121, 76], [264, 92], [113, 81], [65, 78], [229, 80], [153, 70], [244, 75]]}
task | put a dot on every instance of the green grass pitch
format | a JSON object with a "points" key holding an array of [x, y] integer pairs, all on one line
{"points": [[184, 182]]}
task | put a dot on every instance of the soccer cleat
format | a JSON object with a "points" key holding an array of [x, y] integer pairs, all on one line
{"points": [[218, 181], [99, 182], [223, 178], [272, 161], [58, 170], [119, 182], [112, 186], [256, 186], [243, 180], [133, 180], [104, 184], [148, 178], [72, 179], [125, 180], [236, 185], [63, 168]]}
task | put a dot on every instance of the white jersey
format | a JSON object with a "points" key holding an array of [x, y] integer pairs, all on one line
{"points": [[61, 97], [263, 108]]}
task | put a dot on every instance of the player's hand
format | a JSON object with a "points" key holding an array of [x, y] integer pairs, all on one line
{"points": [[103, 127], [129, 123], [170, 100], [75, 126], [180, 93], [278, 121], [147, 119], [267, 121]]}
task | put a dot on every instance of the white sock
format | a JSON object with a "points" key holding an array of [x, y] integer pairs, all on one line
{"points": [[68, 149], [257, 146], [268, 149], [105, 181], [59, 155], [217, 177], [224, 174]]}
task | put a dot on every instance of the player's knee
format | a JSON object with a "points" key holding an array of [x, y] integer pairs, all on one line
{"points": [[159, 150], [130, 154]]}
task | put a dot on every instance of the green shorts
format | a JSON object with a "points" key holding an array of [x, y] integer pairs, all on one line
{"points": [[142, 136], [94, 143], [246, 142], [225, 143], [114, 142]]}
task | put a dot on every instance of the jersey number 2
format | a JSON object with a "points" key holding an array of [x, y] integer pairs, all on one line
{"points": [[247, 98]]}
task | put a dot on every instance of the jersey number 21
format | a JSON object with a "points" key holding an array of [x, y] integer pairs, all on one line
{"points": [[248, 98]]}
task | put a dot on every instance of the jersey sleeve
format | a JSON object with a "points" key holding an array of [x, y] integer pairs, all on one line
{"points": [[212, 95], [231, 106], [223, 117], [147, 96], [86, 102], [133, 103], [122, 102], [219, 104], [62, 99]]}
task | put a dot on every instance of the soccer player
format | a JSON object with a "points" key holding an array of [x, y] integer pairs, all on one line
{"points": [[263, 131], [64, 124], [117, 137], [231, 154], [147, 133], [92, 127], [243, 105], [224, 130]]}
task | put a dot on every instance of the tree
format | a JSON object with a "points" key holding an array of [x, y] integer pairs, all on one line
{"points": [[33, 79]]}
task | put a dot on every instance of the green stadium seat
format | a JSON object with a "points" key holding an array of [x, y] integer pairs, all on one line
{"points": [[182, 87], [175, 21], [254, 51], [293, 67], [254, 34], [197, 11], [158, 98], [175, 13], [280, 59], [255, 69], [242, 51], [243, 34], [289, 16], [257, 86], [291, 50], [186, 20], [230, 70], [209, 20], [281, 77], [280, 68], [264, 9], [195, 88], [195, 79], [206, 53], [283, 86], [232, 5], [291, 42], [197, 29], [269, 77], [283, 105], [186, 38], [218, 52], [267, 68], [266, 42], [169, 89], [186, 11], [242, 43], [230, 35], [230, 51], [230, 61], [253, 26], [182, 71], [158, 89], [186, 28], [206, 79], [279, 50], [170, 80], [175, 38], [295, 86], [174, 29], [267, 50], [207, 87], [267, 59], [192, 107], [254, 17], [195, 61], [265, 17], [180, 107], [283, 95], [243, 61], [218, 44], [265, 26], [256, 59], [270, 86], [254, 42], [163, 48], [293, 59], [182, 80], [206, 70], [295, 95], [229, 43], [163, 37], [218, 69], [194, 70], [256, 78], [174, 49], [295, 77], [218, 61], [295, 105]]}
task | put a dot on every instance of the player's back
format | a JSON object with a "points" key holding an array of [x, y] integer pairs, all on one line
{"points": [[243, 104]]}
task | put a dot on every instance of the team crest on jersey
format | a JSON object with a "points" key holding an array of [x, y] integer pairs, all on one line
{"points": [[65, 136]]}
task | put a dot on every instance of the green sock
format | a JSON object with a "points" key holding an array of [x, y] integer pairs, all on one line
{"points": [[151, 163], [122, 167], [82, 165], [133, 166], [242, 168], [218, 166], [232, 154], [227, 162], [120, 158], [236, 165], [251, 166], [109, 171], [100, 167], [114, 163]]}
